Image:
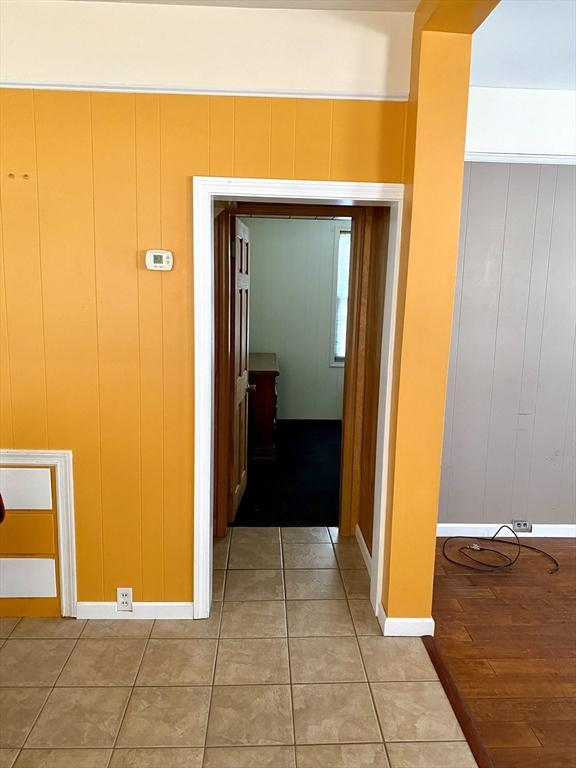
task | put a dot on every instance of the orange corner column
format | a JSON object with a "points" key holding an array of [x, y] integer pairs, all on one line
{"points": [[433, 172]]}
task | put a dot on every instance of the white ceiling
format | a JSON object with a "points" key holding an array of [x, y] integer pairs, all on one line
{"points": [[407, 6], [527, 44]]}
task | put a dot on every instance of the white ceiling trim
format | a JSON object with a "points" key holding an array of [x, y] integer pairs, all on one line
{"points": [[494, 157], [103, 88]]}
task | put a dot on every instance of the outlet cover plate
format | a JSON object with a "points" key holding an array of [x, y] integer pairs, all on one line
{"points": [[124, 599], [522, 526]]}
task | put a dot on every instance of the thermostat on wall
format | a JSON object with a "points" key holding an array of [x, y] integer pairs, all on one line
{"points": [[158, 259]]}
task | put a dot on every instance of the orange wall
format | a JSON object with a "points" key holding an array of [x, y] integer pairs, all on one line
{"points": [[433, 171], [95, 352]]}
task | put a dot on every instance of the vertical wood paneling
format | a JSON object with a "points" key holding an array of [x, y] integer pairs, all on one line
{"points": [[533, 334], [114, 177], [151, 347], [113, 130], [185, 153], [453, 368], [477, 337], [555, 366], [6, 431], [65, 192], [513, 297], [512, 362], [567, 489], [365, 136], [252, 137], [221, 136], [313, 139], [22, 271], [282, 138]]}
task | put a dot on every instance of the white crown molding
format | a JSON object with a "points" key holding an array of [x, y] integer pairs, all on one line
{"points": [[141, 610], [494, 157], [62, 463], [168, 89], [543, 530], [404, 627]]}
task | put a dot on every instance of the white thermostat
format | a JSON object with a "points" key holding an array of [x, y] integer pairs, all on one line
{"points": [[158, 259]]}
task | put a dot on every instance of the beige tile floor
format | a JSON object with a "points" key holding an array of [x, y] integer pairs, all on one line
{"points": [[290, 671]]}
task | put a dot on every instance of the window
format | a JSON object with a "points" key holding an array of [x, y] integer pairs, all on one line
{"points": [[343, 240]]}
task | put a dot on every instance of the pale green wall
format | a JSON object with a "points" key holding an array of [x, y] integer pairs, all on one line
{"points": [[291, 288]]}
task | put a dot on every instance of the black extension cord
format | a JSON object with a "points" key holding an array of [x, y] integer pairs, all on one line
{"points": [[482, 566]]}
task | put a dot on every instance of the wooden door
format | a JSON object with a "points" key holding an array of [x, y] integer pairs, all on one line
{"points": [[232, 284], [239, 337]]}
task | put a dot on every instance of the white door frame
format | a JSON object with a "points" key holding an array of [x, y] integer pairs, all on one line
{"points": [[207, 190]]}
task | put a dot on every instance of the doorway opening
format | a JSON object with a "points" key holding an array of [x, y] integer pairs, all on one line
{"points": [[295, 274], [299, 308], [381, 215]]}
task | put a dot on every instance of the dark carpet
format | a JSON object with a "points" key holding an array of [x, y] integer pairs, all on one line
{"points": [[302, 486]]}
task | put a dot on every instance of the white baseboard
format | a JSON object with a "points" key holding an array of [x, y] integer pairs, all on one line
{"points": [[543, 530], [364, 549], [87, 610], [410, 627]]}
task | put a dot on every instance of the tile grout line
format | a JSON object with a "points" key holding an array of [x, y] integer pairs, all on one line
{"points": [[368, 683], [129, 699], [355, 635], [216, 653], [4, 640], [52, 688], [287, 640], [293, 712]]}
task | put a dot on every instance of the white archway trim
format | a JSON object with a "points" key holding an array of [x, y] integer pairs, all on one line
{"points": [[207, 190], [62, 463]]}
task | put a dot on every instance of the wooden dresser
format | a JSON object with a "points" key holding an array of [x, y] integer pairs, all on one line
{"points": [[262, 374]]}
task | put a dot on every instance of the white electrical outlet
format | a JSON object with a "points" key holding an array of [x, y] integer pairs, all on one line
{"points": [[522, 526], [124, 599]]}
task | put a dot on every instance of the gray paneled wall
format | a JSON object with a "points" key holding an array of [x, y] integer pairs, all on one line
{"points": [[510, 430], [291, 312]]}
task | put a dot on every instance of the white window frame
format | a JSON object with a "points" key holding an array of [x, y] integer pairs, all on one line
{"points": [[340, 226]]}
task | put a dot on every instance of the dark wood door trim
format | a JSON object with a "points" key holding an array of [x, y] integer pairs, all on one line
{"points": [[223, 402], [377, 254], [354, 378], [297, 210]]}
